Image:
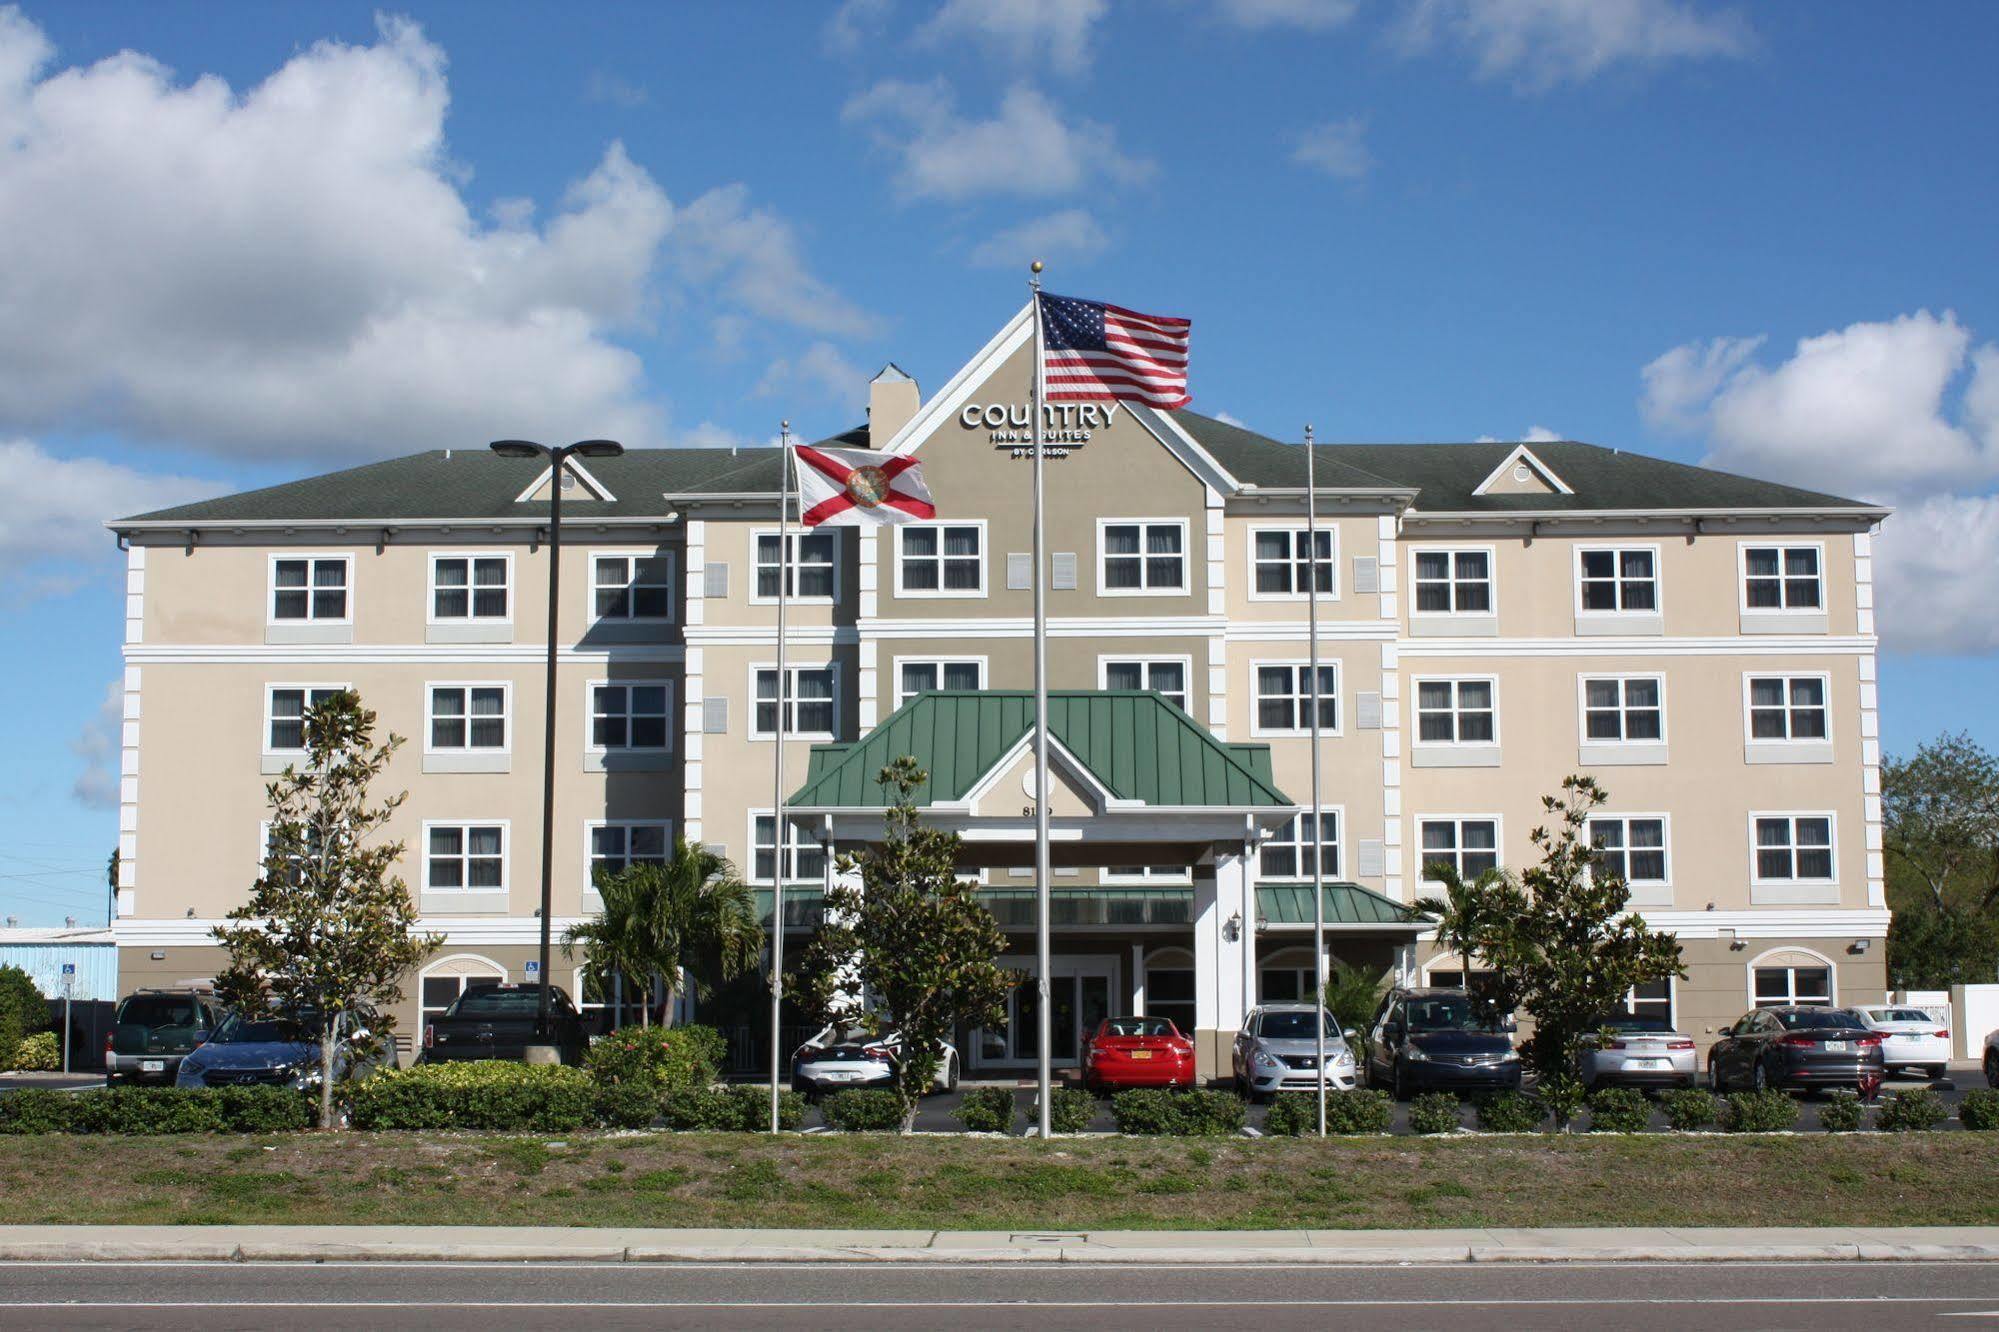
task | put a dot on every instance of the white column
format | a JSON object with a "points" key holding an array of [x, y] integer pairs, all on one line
{"points": [[1138, 980], [1233, 914]]}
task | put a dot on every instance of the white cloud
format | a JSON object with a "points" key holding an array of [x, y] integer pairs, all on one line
{"points": [[1227, 418], [1680, 385], [1025, 149], [1070, 234], [853, 23], [1539, 434], [821, 372], [1309, 15], [1937, 575], [1539, 44], [613, 90], [98, 745], [1027, 31], [753, 254], [52, 514], [1338, 148]]}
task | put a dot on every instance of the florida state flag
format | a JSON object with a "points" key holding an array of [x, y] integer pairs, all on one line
{"points": [[854, 487]]}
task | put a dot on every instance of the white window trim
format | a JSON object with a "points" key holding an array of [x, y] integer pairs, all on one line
{"points": [[1492, 581], [273, 688], [1831, 818], [749, 866], [506, 689], [590, 688], [896, 665], [1672, 998], [430, 615], [1416, 684], [1582, 707], [1185, 663], [1256, 727], [1177, 878], [1186, 586], [672, 586], [271, 620], [1339, 814], [1780, 544], [1299, 528], [1831, 974], [1498, 823], [496, 973], [1810, 742], [794, 668], [590, 827], [1658, 581], [942, 593], [1666, 837], [506, 856], [838, 564]]}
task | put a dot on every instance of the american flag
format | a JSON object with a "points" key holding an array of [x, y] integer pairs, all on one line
{"points": [[1093, 352]]}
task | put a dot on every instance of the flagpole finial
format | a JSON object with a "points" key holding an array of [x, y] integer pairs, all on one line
{"points": [[784, 425], [1034, 267]]}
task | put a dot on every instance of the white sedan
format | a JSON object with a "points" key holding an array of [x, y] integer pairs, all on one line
{"points": [[841, 1056], [1911, 1038]]}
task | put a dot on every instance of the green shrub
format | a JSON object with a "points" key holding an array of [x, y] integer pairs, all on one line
{"points": [[1071, 1111], [1619, 1110], [1690, 1108], [1979, 1109], [1202, 1113], [1912, 1111], [862, 1110], [20, 997], [40, 1053], [628, 1105], [670, 1058], [1295, 1114], [988, 1110], [483, 1094], [1434, 1112], [741, 1109], [1842, 1112], [1759, 1112], [35, 1110], [134, 1111], [1510, 1112]]}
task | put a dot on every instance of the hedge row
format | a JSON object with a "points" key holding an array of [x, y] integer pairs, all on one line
{"points": [[485, 1094], [146, 1110]]}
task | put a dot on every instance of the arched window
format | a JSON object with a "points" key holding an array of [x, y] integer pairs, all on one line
{"points": [[445, 979], [1792, 976]]}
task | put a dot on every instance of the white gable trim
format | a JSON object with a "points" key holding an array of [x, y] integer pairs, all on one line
{"points": [[1100, 795], [590, 483], [952, 396], [1522, 454]]}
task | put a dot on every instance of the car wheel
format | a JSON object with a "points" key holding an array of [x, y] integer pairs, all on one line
{"points": [[1936, 1072], [951, 1073], [1714, 1082], [1760, 1077], [1992, 1068]]}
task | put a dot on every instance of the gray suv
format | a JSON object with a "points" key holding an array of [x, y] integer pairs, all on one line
{"points": [[154, 1030], [1278, 1050]]}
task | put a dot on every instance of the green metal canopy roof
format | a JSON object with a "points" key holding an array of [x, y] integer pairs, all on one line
{"points": [[1135, 742], [1346, 904]]}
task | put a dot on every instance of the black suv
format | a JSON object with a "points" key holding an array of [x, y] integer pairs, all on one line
{"points": [[1434, 1040], [153, 1029]]}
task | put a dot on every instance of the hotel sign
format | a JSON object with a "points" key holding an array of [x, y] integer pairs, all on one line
{"points": [[1064, 425]]}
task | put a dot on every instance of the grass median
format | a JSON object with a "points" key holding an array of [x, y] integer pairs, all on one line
{"points": [[936, 1182]]}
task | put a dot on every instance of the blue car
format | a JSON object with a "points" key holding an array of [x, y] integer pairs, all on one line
{"points": [[274, 1052]]}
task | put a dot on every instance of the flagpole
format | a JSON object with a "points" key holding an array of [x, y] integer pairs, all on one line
{"points": [[1043, 1025], [1318, 833], [777, 837]]}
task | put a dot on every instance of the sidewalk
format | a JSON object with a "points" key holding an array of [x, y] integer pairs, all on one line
{"points": [[1205, 1247]]}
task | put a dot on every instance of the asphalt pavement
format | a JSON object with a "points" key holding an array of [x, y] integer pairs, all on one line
{"points": [[1460, 1298]]}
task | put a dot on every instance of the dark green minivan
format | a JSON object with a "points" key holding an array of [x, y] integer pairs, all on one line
{"points": [[153, 1029]]}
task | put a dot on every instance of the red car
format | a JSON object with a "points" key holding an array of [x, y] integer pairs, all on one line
{"points": [[1137, 1052]]}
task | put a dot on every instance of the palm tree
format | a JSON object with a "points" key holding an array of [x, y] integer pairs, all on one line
{"points": [[666, 919], [1468, 911]]}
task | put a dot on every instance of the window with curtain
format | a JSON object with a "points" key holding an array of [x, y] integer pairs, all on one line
{"points": [[632, 587], [464, 856], [812, 565], [309, 589], [1144, 557], [630, 716], [1624, 708], [1453, 582], [1284, 563], [918, 677], [1787, 707], [1782, 578], [1794, 847], [1164, 676], [808, 701], [1284, 696], [1456, 712], [942, 558], [1633, 849], [804, 858], [1295, 850], [468, 717], [472, 587], [613, 846], [1618, 580], [286, 708], [1470, 846]]}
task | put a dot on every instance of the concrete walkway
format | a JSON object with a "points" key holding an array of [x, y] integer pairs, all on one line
{"points": [[1374, 1247]]}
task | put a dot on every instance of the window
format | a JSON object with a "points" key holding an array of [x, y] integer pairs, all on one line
{"points": [[1618, 580], [1286, 985], [613, 846], [468, 717], [1469, 846], [812, 566], [808, 701], [1166, 675], [632, 587], [440, 992], [1782, 578], [1653, 999], [1294, 851], [1141, 558], [1136, 874], [1787, 707], [1633, 849], [285, 709], [468, 587], [804, 858], [1623, 709], [942, 560], [1793, 985], [1169, 994], [1283, 564], [916, 677], [1284, 696], [460, 857], [1456, 712], [1793, 847], [631, 716], [1454, 582], [309, 589]]}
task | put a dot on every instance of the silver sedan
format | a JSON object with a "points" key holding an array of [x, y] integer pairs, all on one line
{"points": [[1637, 1052]]}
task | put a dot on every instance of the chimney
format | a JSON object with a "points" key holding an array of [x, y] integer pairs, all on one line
{"points": [[892, 400]]}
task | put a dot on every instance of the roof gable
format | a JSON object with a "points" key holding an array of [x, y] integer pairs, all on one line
{"points": [[1521, 473]]}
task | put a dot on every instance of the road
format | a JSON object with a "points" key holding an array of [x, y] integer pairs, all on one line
{"points": [[440, 1297]]}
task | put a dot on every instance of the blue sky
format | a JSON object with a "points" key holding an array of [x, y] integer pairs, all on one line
{"points": [[254, 242]]}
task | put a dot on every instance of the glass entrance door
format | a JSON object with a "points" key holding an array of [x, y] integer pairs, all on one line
{"points": [[1079, 998]]}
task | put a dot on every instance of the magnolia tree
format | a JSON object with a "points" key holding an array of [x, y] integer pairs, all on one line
{"points": [[325, 937], [913, 937]]}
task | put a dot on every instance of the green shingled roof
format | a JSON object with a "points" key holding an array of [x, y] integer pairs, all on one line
{"points": [[1346, 904], [1139, 745]]}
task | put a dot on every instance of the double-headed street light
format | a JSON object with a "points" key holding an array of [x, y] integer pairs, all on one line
{"points": [[558, 459]]}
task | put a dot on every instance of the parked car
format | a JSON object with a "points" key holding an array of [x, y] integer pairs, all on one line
{"points": [[153, 1030], [272, 1051], [1277, 1049], [1629, 1051], [1910, 1038], [1796, 1046], [1137, 1052], [1992, 1058], [844, 1056], [1437, 1040], [497, 1020]]}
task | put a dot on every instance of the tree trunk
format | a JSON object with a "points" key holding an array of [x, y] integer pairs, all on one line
{"points": [[327, 1038]]}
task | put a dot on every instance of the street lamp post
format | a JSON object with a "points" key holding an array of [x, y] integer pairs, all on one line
{"points": [[558, 459]]}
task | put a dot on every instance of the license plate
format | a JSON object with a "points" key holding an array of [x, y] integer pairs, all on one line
{"points": [[1839, 1047], [152, 1065], [1141, 1054], [1648, 1063]]}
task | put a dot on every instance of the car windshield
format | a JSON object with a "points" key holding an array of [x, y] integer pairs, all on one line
{"points": [[503, 1001], [160, 1010], [1900, 1015], [1626, 1022], [239, 1030], [1144, 1026], [1811, 1019], [1293, 1027], [1447, 1012]]}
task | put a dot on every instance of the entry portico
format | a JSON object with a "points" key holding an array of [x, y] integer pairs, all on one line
{"points": [[1166, 817]]}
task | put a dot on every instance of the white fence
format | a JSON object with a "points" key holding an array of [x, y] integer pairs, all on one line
{"points": [[1976, 1008]]}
